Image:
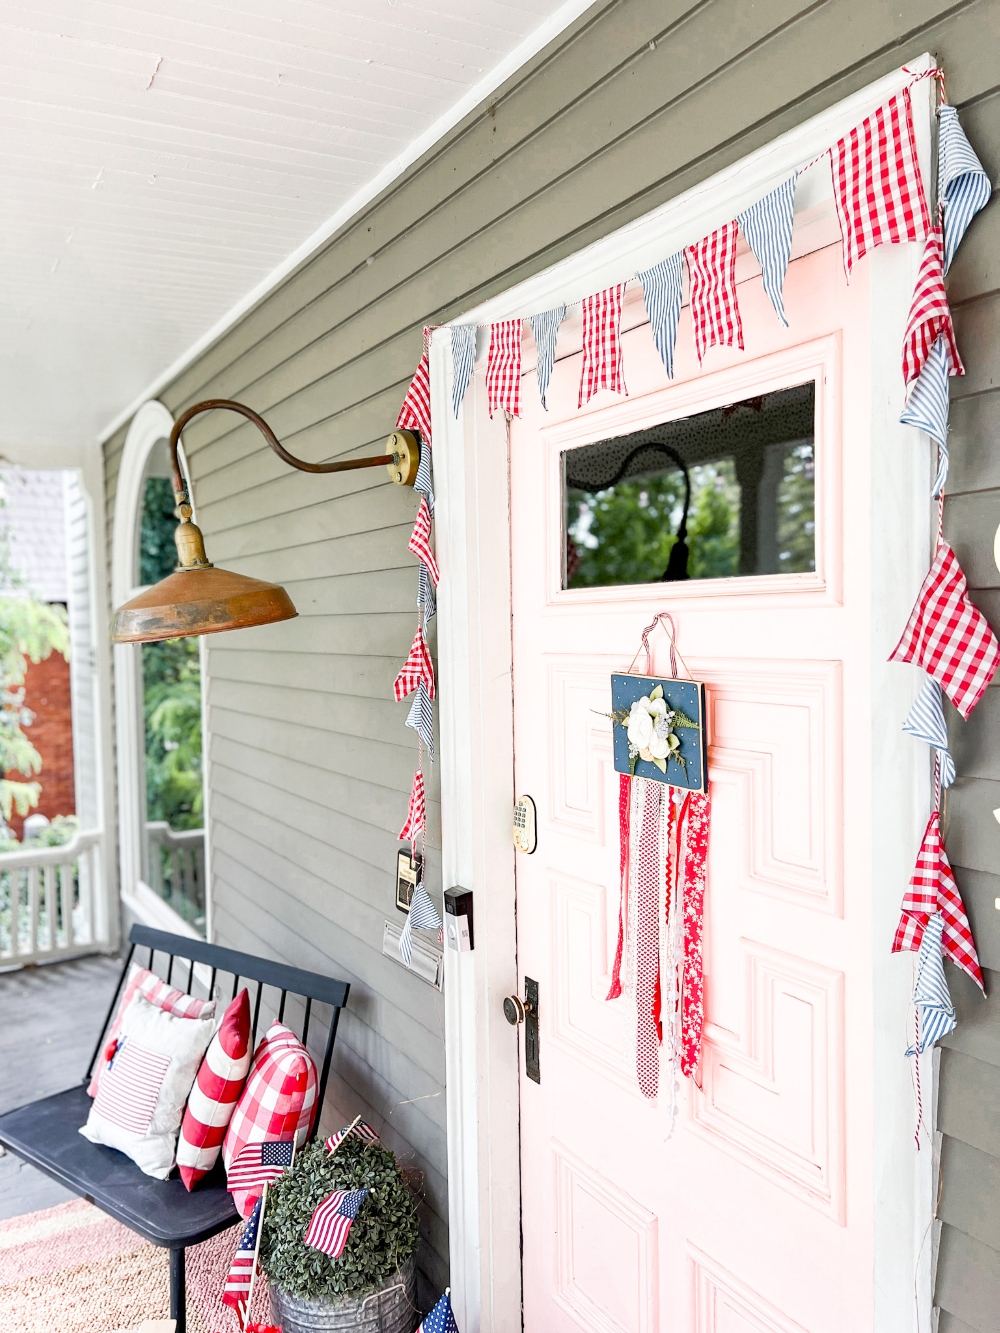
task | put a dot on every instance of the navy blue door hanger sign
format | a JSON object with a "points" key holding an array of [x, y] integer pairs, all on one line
{"points": [[659, 722]]}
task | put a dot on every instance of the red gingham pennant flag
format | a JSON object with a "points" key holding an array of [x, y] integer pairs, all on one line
{"points": [[503, 367], [420, 543], [416, 818], [415, 669], [715, 311], [415, 414], [930, 314], [602, 348], [933, 889], [948, 636], [877, 183]]}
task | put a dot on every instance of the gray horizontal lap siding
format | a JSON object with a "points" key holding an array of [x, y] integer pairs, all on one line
{"points": [[311, 764]]}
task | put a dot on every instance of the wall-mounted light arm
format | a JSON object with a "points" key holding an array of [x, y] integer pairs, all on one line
{"points": [[200, 599]]}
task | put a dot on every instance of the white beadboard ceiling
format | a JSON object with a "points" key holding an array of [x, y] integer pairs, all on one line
{"points": [[164, 161]]}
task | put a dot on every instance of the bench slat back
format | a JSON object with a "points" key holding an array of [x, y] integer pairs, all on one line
{"points": [[244, 967]]}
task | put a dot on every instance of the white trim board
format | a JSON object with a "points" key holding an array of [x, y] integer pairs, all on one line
{"points": [[566, 14], [475, 673]]}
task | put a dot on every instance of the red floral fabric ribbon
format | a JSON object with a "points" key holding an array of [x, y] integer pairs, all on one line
{"points": [[696, 815]]}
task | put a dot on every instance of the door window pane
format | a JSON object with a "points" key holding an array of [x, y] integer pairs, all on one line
{"points": [[714, 495]]}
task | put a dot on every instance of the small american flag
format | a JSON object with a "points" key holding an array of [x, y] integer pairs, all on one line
{"points": [[130, 1086], [363, 1131], [237, 1287], [258, 1164], [330, 1225], [441, 1319]]}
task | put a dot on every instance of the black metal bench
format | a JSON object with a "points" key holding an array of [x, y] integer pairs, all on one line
{"points": [[46, 1133]]}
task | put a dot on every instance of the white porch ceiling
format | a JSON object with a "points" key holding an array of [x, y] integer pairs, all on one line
{"points": [[161, 159]]}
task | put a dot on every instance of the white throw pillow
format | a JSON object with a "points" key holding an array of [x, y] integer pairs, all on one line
{"points": [[144, 1089]]}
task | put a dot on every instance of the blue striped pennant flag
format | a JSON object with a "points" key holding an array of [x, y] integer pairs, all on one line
{"points": [[545, 331], [927, 406], [421, 717], [423, 915], [463, 356], [925, 721], [661, 286], [424, 482], [963, 185], [767, 225], [936, 1012], [426, 597]]}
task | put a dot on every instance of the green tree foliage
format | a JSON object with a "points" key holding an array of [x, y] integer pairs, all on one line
{"points": [[157, 552], [171, 705], [383, 1235], [29, 632], [624, 534]]}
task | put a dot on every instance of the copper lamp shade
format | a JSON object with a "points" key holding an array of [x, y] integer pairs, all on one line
{"points": [[200, 599]]}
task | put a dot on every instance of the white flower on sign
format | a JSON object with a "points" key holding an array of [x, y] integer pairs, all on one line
{"points": [[649, 729]]}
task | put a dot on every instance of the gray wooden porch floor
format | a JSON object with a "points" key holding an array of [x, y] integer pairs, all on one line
{"points": [[49, 1018]]}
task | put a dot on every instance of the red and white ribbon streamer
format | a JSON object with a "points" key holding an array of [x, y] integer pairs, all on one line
{"points": [[697, 819]]}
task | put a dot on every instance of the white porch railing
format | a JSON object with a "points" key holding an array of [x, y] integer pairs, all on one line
{"points": [[177, 867], [51, 901]]}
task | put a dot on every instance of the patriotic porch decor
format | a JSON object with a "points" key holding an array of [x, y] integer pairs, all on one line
{"points": [[260, 1164], [601, 364], [503, 368], [767, 227], [948, 636], [360, 1130], [930, 314], [330, 1225], [236, 1292], [963, 185], [212, 1100], [423, 915], [441, 1319], [715, 310]]}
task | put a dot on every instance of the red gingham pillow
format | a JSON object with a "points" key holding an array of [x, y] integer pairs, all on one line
{"points": [[216, 1091], [143, 982], [279, 1100]]}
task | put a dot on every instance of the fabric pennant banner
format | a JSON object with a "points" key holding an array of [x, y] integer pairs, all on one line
{"points": [[421, 717], [927, 401], [963, 185], [415, 414], [877, 185], [925, 721], [463, 357], [715, 311], [662, 287], [933, 888], [602, 349], [930, 314], [948, 636], [426, 598], [936, 1013], [416, 814], [545, 331], [423, 915], [416, 668], [503, 368], [424, 481], [420, 541], [768, 229]]}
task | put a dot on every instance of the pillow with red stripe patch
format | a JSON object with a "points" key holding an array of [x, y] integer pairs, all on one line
{"points": [[215, 1093], [278, 1101], [168, 998]]}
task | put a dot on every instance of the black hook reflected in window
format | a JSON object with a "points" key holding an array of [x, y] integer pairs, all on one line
{"points": [[677, 562]]}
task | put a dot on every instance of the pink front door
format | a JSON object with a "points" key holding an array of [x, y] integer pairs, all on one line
{"points": [[753, 1212]]}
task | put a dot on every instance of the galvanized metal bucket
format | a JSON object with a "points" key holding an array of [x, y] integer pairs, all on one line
{"points": [[390, 1309]]}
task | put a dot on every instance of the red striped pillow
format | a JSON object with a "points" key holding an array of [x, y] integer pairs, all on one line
{"points": [[215, 1093], [143, 982]]}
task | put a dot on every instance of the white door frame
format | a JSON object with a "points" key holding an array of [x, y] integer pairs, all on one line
{"points": [[151, 424], [474, 663]]}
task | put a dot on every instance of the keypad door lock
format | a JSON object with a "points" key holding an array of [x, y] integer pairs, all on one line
{"points": [[518, 1011], [525, 834]]}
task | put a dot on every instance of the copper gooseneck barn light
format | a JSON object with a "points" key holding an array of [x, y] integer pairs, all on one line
{"points": [[200, 599]]}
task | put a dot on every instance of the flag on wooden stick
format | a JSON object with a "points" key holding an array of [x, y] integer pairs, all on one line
{"points": [[441, 1319], [236, 1291], [330, 1224], [259, 1163], [360, 1129]]}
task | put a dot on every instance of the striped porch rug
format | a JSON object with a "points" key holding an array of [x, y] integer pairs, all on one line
{"points": [[73, 1269]]}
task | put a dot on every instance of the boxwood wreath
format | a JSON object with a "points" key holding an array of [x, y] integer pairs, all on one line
{"points": [[384, 1233]]}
